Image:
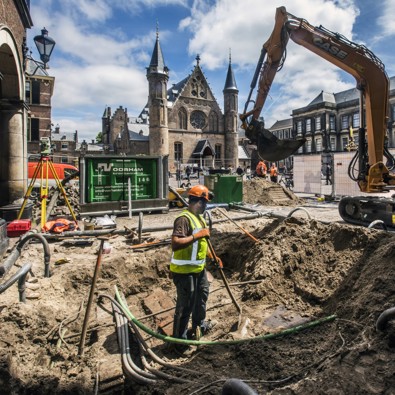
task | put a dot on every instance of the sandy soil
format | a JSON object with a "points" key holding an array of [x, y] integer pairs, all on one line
{"points": [[300, 271]]}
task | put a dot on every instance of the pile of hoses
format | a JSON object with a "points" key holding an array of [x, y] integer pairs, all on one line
{"points": [[145, 374], [141, 370]]}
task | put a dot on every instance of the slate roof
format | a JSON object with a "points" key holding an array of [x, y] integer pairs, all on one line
{"points": [[63, 136], [230, 83], [201, 146], [242, 153], [282, 124]]}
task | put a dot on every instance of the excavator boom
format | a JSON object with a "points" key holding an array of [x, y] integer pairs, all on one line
{"points": [[355, 59]]}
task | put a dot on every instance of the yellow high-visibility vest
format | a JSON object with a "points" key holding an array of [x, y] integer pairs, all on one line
{"points": [[191, 259]]}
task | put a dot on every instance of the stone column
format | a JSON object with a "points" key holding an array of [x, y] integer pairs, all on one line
{"points": [[13, 158]]}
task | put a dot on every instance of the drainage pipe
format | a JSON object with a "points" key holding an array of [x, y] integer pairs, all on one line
{"points": [[155, 357], [170, 339], [20, 275], [153, 373], [144, 349], [298, 209], [102, 232], [378, 222], [16, 252], [385, 316], [131, 372], [237, 387]]}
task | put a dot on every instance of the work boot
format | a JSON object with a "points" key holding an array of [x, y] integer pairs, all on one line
{"points": [[207, 326]]}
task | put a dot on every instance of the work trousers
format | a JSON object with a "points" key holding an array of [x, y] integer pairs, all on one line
{"points": [[192, 295]]}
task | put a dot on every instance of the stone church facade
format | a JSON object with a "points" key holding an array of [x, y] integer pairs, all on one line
{"points": [[183, 121]]}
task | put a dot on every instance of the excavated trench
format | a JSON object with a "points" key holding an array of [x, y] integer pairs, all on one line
{"points": [[300, 271]]}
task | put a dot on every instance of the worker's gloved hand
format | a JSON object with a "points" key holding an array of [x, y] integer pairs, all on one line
{"points": [[202, 233], [218, 262]]}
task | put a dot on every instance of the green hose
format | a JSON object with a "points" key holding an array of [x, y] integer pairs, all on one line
{"points": [[170, 339]]}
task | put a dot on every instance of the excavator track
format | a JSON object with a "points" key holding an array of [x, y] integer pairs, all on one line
{"points": [[361, 210]]}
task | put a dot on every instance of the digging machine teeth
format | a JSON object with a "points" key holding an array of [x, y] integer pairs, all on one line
{"points": [[269, 146]]}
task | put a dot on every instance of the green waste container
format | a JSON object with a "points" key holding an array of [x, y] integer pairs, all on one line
{"points": [[226, 188]]}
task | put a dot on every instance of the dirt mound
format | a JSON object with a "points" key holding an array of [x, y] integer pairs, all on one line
{"points": [[261, 191], [300, 271]]}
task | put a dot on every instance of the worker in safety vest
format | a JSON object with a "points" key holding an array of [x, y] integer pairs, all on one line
{"points": [[273, 173], [188, 265], [261, 169]]}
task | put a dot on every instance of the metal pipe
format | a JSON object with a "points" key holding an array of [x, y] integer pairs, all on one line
{"points": [[20, 275], [90, 299], [102, 232]]}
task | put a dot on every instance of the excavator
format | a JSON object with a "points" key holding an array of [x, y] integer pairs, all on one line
{"points": [[367, 167]]}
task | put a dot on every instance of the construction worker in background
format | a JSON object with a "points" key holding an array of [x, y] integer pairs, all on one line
{"points": [[273, 172], [188, 266], [261, 169]]}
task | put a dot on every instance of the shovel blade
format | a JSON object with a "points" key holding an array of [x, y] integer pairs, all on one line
{"points": [[269, 146]]}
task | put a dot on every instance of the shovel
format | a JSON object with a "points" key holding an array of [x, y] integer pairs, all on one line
{"points": [[240, 227], [221, 272]]}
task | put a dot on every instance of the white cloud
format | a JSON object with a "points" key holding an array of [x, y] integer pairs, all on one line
{"points": [[386, 20], [245, 26], [99, 63]]}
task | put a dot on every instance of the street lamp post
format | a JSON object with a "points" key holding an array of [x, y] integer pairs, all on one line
{"points": [[45, 46], [83, 148]]}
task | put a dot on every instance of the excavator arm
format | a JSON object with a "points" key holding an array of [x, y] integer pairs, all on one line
{"points": [[270, 62], [355, 59]]}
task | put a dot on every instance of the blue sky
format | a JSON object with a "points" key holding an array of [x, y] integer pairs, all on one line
{"points": [[104, 46]]}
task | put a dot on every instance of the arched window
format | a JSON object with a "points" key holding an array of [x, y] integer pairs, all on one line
{"points": [[213, 122], [182, 119], [178, 152]]}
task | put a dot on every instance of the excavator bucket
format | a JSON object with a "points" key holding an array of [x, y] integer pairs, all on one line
{"points": [[269, 146]]}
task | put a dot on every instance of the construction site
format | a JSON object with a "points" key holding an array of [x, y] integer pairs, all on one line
{"points": [[105, 265], [306, 317]]}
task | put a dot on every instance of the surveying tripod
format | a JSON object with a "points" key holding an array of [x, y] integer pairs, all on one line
{"points": [[43, 167]]}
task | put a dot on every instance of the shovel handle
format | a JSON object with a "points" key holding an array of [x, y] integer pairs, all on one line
{"points": [[240, 227], [221, 272]]}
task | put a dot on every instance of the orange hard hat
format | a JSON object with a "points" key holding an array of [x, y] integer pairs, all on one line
{"points": [[200, 191]]}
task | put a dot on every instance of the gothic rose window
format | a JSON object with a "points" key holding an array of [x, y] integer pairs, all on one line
{"points": [[198, 119]]}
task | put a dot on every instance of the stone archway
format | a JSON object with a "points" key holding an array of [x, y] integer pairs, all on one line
{"points": [[13, 115]]}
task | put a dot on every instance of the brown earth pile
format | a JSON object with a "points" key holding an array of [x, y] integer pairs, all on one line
{"points": [[299, 271], [264, 192]]}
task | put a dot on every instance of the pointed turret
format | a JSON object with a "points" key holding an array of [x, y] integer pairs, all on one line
{"points": [[231, 118], [157, 64], [230, 84], [158, 76]]}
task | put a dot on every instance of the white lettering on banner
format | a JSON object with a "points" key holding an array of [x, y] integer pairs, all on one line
{"points": [[109, 166], [330, 48], [104, 166]]}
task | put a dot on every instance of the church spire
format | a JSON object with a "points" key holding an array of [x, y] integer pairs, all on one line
{"points": [[230, 84], [157, 64]]}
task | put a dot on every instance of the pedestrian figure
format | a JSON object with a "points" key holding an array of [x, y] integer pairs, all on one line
{"points": [[239, 171], [188, 173], [328, 173], [248, 173], [273, 173]]}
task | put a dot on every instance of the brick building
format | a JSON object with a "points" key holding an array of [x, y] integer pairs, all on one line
{"points": [[39, 91]]}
